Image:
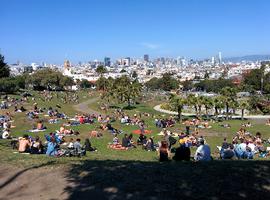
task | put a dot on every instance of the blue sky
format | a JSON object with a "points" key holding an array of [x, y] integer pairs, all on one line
{"points": [[81, 30]]}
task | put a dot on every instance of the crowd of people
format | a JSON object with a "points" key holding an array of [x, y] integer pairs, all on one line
{"points": [[170, 146]]}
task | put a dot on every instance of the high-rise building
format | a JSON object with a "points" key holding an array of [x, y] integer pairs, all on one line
{"points": [[178, 61], [107, 62], [219, 58], [146, 58], [213, 60]]}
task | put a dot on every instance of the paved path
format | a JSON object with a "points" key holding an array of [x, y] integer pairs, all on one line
{"points": [[159, 109], [84, 107]]}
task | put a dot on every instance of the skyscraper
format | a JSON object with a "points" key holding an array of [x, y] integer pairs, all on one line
{"points": [[219, 58], [107, 62], [146, 58]]}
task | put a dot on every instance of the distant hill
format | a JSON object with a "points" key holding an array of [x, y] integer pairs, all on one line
{"points": [[247, 58]]}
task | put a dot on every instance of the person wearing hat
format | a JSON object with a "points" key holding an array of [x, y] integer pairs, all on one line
{"points": [[203, 152]]}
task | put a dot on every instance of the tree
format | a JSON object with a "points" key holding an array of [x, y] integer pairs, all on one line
{"points": [[4, 69], [192, 100], [218, 104], [177, 103], [229, 95], [102, 84], [134, 75], [200, 101], [49, 79], [166, 83], [121, 90], [85, 84], [243, 105], [208, 104], [101, 70], [187, 85], [254, 78]]}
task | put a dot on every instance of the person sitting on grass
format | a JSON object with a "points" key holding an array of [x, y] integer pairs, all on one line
{"points": [[24, 144], [70, 144], [240, 149], [227, 152], [125, 141], [182, 152], [149, 145], [141, 140], [203, 152], [6, 134], [88, 146], [78, 147], [130, 141], [115, 140], [163, 152], [37, 147], [52, 148]]}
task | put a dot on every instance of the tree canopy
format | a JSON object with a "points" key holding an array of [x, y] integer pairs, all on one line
{"points": [[4, 69], [167, 83], [49, 79]]}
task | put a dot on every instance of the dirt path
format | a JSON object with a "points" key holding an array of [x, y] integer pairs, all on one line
{"points": [[32, 183], [84, 107]]}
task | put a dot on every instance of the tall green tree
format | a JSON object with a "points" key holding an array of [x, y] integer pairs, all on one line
{"points": [[101, 70], [243, 105], [218, 104], [192, 101], [229, 95], [4, 69], [208, 104], [177, 103]]}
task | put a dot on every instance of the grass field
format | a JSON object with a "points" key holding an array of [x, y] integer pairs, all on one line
{"points": [[132, 174], [214, 136]]}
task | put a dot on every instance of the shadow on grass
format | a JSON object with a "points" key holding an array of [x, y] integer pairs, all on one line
{"points": [[15, 176], [153, 180]]}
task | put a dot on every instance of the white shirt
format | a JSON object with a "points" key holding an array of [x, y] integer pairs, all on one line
{"points": [[203, 153], [5, 135]]}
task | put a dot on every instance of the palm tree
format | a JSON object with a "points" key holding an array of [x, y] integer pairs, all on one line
{"points": [[200, 101], [192, 101], [218, 104], [208, 104], [229, 95], [177, 103], [243, 105], [133, 90]]}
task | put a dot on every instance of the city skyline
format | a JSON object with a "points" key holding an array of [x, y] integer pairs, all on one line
{"points": [[81, 31]]}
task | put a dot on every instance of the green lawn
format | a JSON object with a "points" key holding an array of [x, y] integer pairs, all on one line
{"points": [[214, 135]]}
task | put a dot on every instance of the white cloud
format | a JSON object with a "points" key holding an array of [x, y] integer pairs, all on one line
{"points": [[150, 45]]}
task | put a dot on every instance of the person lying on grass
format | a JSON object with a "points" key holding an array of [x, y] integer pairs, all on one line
{"points": [[40, 125]]}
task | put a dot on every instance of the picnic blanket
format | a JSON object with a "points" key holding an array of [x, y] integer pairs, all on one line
{"points": [[36, 130], [117, 147], [139, 131]]}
